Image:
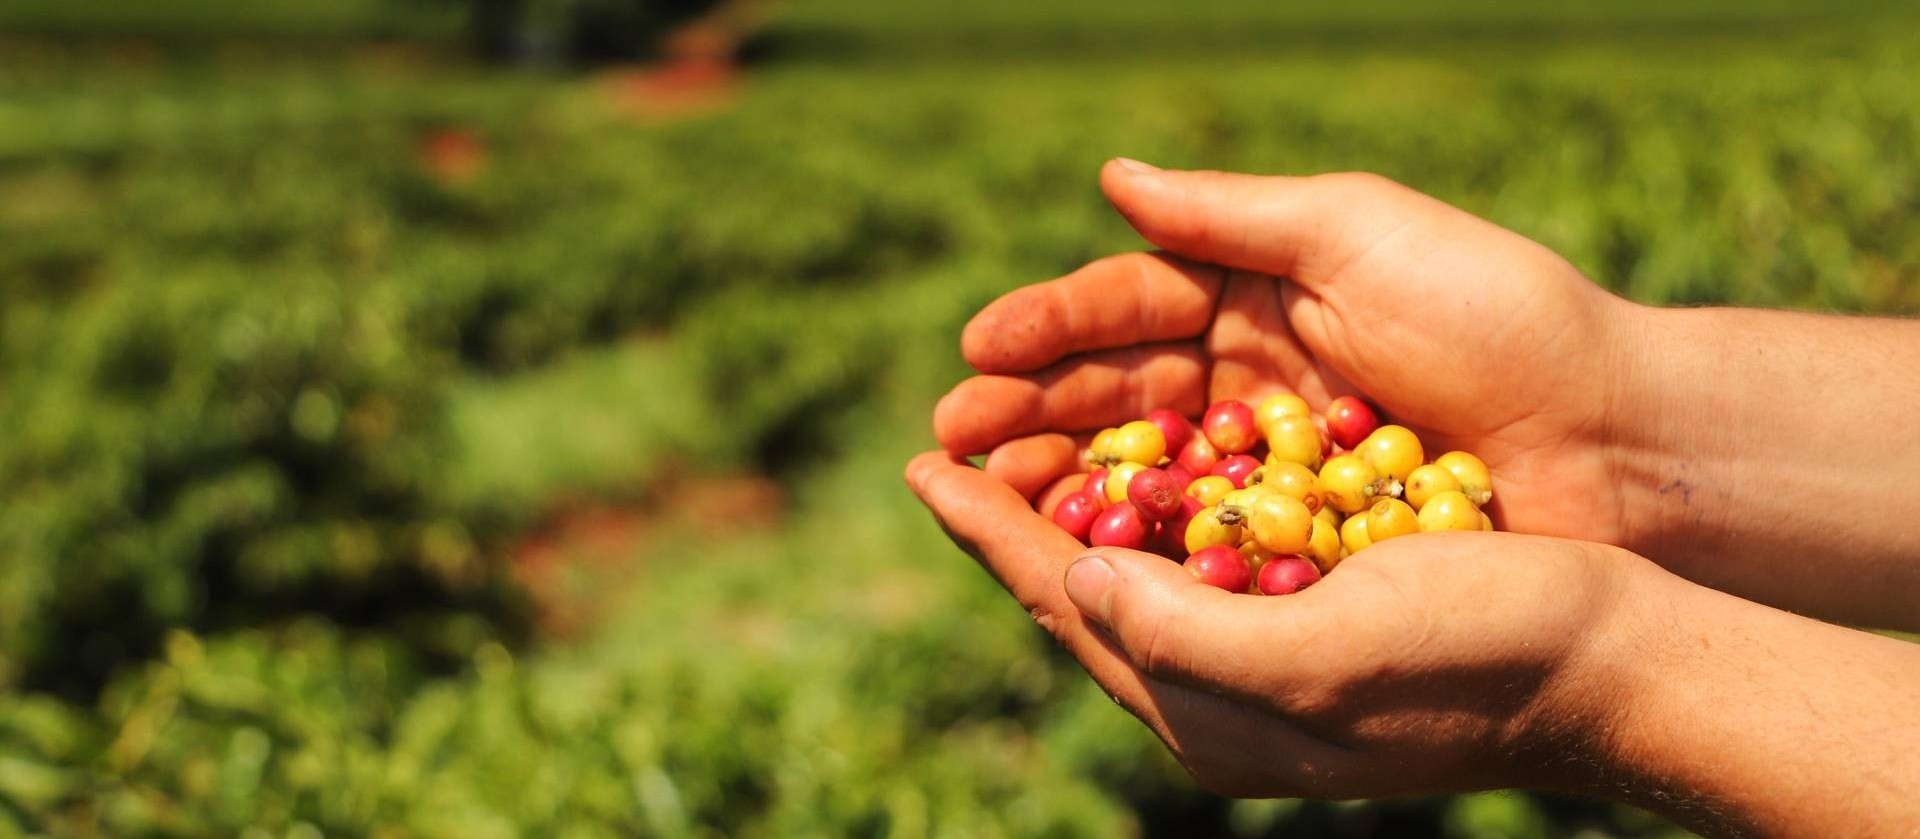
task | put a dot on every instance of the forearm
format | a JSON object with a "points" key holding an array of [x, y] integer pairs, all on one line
{"points": [[1776, 455], [1742, 720]]}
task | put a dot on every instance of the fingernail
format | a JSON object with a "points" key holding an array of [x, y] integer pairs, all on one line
{"points": [[1090, 585], [1136, 166]]}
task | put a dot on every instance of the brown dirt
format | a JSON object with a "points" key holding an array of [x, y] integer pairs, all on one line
{"points": [[585, 548], [453, 156]]}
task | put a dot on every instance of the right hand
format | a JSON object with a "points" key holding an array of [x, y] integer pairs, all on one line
{"points": [[1473, 336]]}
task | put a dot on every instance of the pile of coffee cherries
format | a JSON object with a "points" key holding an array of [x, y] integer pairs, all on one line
{"points": [[1267, 500]]}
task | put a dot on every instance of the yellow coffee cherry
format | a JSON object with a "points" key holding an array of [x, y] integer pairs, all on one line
{"points": [[1449, 510], [1331, 516], [1353, 534], [1486, 522], [1210, 489], [1349, 483], [1323, 547], [1256, 558], [1292, 479], [1280, 523], [1294, 439], [1214, 526], [1427, 481], [1394, 450], [1117, 479], [1277, 406], [1242, 499], [1476, 482], [1389, 518], [1139, 441], [1100, 451]]}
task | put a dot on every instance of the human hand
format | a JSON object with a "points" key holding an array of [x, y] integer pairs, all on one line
{"points": [[1473, 336], [1429, 663]]}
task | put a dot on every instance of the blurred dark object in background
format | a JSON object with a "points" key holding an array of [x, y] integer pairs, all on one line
{"points": [[598, 31]]}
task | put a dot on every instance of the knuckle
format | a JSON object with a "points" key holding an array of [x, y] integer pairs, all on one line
{"points": [[1156, 648]]}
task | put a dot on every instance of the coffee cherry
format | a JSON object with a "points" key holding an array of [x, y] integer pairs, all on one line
{"points": [[1389, 518], [1294, 439], [1214, 526], [1353, 534], [1237, 469], [1393, 450], [1449, 510], [1210, 489], [1350, 420], [1331, 516], [1292, 479], [1349, 483], [1280, 523], [1118, 477], [1246, 480], [1181, 476], [1324, 545], [1172, 537], [1175, 429], [1139, 442], [1242, 499], [1221, 567], [1154, 492], [1230, 427], [1257, 557], [1076, 513], [1100, 451], [1120, 526], [1277, 406], [1286, 575], [1096, 485], [1428, 481], [1199, 455], [1475, 481]]}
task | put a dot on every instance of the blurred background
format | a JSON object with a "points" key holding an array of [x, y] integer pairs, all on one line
{"points": [[479, 418]]}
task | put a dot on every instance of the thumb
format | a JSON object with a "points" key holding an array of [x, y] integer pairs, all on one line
{"points": [[1176, 628], [1304, 228]]}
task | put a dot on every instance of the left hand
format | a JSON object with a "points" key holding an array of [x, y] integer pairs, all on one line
{"points": [[1430, 663]]}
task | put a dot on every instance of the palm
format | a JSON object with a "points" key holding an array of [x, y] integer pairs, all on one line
{"points": [[1523, 398], [1496, 370]]}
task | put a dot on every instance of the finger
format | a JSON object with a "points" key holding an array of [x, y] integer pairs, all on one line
{"points": [[1082, 393], [1027, 554], [1031, 464], [1306, 228], [1179, 630], [1114, 302], [1255, 344], [1227, 744]]}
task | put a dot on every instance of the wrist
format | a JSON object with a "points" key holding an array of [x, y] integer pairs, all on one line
{"points": [[1668, 408], [1639, 735], [1569, 740]]}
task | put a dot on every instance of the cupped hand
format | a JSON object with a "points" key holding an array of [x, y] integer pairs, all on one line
{"points": [[1473, 336], [1428, 663]]}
